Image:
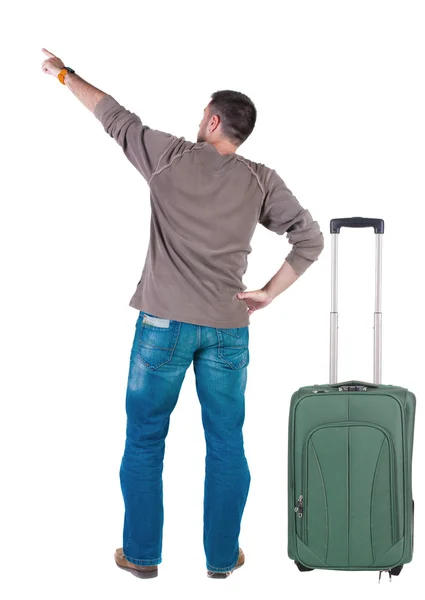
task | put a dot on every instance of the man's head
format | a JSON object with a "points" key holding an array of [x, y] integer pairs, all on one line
{"points": [[228, 121]]}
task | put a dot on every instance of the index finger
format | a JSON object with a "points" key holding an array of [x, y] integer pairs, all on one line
{"points": [[48, 53]]}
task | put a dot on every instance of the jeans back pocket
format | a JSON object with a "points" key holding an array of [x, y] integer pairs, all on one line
{"points": [[233, 346], [157, 339]]}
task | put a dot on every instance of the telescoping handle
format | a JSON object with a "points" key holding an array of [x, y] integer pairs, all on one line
{"points": [[335, 226]]}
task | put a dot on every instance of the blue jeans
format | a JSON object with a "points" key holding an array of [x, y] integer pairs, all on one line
{"points": [[162, 351]]}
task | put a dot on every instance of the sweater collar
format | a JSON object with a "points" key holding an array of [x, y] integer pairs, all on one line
{"points": [[211, 159]]}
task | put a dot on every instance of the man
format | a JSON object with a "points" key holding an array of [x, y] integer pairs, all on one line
{"points": [[206, 201]]}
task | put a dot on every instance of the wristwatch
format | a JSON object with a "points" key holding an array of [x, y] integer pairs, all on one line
{"points": [[63, 72]]}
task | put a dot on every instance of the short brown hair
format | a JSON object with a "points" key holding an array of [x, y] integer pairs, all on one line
{"points": [[237, 113]]}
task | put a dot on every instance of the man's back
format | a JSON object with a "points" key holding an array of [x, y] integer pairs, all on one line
{"points": [[205, 207]]}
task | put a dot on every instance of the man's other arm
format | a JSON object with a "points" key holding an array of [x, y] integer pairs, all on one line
{"points": [[282, 213]]}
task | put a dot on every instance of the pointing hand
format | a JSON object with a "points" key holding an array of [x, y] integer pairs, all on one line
{"points": [[52, 65]]}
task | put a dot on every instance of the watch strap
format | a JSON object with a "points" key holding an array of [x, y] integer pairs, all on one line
{"points": [[63, 72]]}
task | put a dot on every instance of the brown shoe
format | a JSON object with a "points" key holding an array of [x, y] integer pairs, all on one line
{"points": [[141, 571], [224, 574]]}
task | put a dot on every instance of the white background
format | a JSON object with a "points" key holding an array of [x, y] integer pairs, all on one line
{"points": [[339, 91]]}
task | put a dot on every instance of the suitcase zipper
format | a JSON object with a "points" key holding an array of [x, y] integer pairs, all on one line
{"points": [[299, 506], [299, 509]]}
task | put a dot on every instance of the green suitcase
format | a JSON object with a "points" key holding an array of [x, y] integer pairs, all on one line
{"points": [[350, 446]]}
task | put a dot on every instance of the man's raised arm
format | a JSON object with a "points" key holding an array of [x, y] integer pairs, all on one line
{"points": [[142, 145], [84, 91]]}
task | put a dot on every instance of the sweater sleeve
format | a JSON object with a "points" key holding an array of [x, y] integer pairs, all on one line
{"points": [[282, 213], [142, 145]]}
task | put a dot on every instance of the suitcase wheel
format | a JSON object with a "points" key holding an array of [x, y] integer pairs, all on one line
{"points": [[396, 570], [302, 567]]}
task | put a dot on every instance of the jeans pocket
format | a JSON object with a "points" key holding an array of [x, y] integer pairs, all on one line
{"points": [[233, 346], [157, 339]]}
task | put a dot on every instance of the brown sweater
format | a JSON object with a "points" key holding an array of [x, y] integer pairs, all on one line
{"points": [[204, 209]]}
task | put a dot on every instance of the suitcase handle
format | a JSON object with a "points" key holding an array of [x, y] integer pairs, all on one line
{"points": [[354, 383], [335, 226], [377, 224]]}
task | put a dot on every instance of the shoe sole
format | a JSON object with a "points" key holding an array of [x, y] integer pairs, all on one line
{"points": [[154, 573], [139, 574], [223, 575]]}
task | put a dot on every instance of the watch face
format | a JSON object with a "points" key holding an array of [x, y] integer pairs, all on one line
{"points": [[70, 70]]}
